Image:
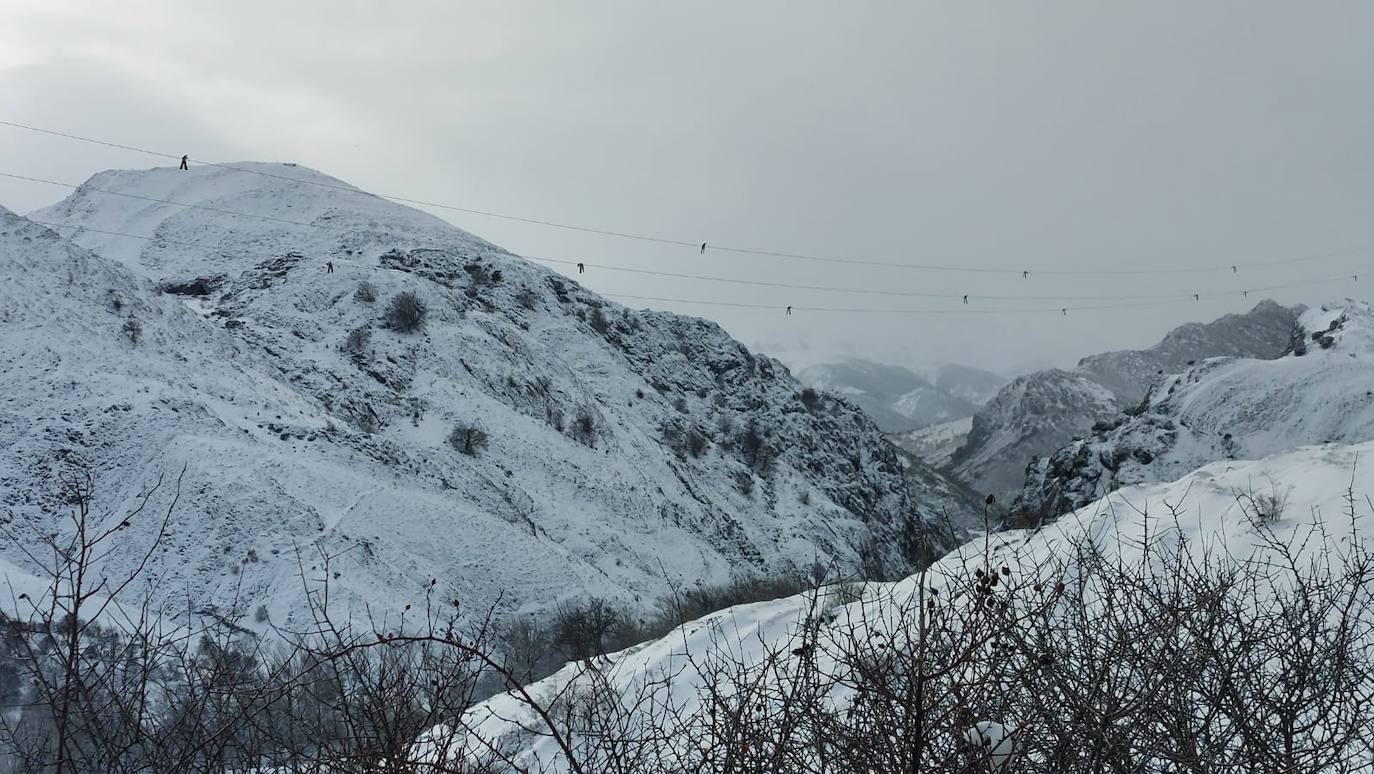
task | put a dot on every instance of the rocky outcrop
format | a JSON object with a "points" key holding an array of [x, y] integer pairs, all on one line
{"points": [[1040, 412], [1222, 409]]}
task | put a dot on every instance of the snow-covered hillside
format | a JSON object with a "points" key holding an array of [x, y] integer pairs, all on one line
{"points": [[624, 450], [1039, 412], [935, 444], [1207, 512], [1322, 391]]}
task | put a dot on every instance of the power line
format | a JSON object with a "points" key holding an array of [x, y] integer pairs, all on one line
{"points": [[352, 189], [1062, 310], [1025, 272], [727, 280], [864, 291]]}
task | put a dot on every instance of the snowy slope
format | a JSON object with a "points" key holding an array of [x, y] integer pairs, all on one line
{"points": [[1211, 517], [296, 447], [935, 444], [1224, 408], [1039, 412]]}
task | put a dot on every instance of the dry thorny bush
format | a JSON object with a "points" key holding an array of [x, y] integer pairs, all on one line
{"points": [[1159, 656]]}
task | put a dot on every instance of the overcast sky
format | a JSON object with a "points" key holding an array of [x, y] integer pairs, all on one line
{"points": [[1069, 135]]}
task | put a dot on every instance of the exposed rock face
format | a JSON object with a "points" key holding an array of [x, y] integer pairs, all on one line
{"points": [[1034, 413], [1320, 392], [1038, 413]]}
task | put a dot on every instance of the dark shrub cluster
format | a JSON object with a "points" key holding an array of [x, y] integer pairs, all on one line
{"points": [[468, 439], [406, 313]]}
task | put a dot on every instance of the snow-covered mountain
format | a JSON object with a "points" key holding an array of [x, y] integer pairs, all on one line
{"points": [[619, 451], [738, 642], [898, 398], [1039, 412], [1320, 392]]}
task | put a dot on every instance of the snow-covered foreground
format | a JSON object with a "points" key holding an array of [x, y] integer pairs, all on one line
{"points": [[1295, 506]]}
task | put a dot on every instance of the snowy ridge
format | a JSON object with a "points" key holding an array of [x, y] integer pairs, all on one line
{"points": [[1322, 391], [618, 461], [1206, 508]]}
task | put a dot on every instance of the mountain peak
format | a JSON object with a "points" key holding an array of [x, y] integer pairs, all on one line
{"points": [[209, 220]]}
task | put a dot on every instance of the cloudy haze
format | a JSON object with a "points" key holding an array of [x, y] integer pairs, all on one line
{"points": [[1010, 135]]}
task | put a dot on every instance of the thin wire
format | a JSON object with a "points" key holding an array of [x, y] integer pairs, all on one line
{"points": [[869, 310], [1062, 310], [865, 291], [352, 189], [1025, 272]]}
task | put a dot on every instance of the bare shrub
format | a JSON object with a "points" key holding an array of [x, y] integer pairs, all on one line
{"points": [[132, 330], [527, 298], [358, 340], [756, 447], [744, 482], [406, 313], [554, 416], [468, 439], [362, 416], [584, 427], [366, 292], [1264, 507], [587, 630], [598, 320]]}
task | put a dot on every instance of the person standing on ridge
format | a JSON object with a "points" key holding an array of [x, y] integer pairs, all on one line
{"points": [[328, 267], [183, 162]]}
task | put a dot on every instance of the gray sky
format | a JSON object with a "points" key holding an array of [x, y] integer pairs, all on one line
{"points": [[1068, 135]]}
